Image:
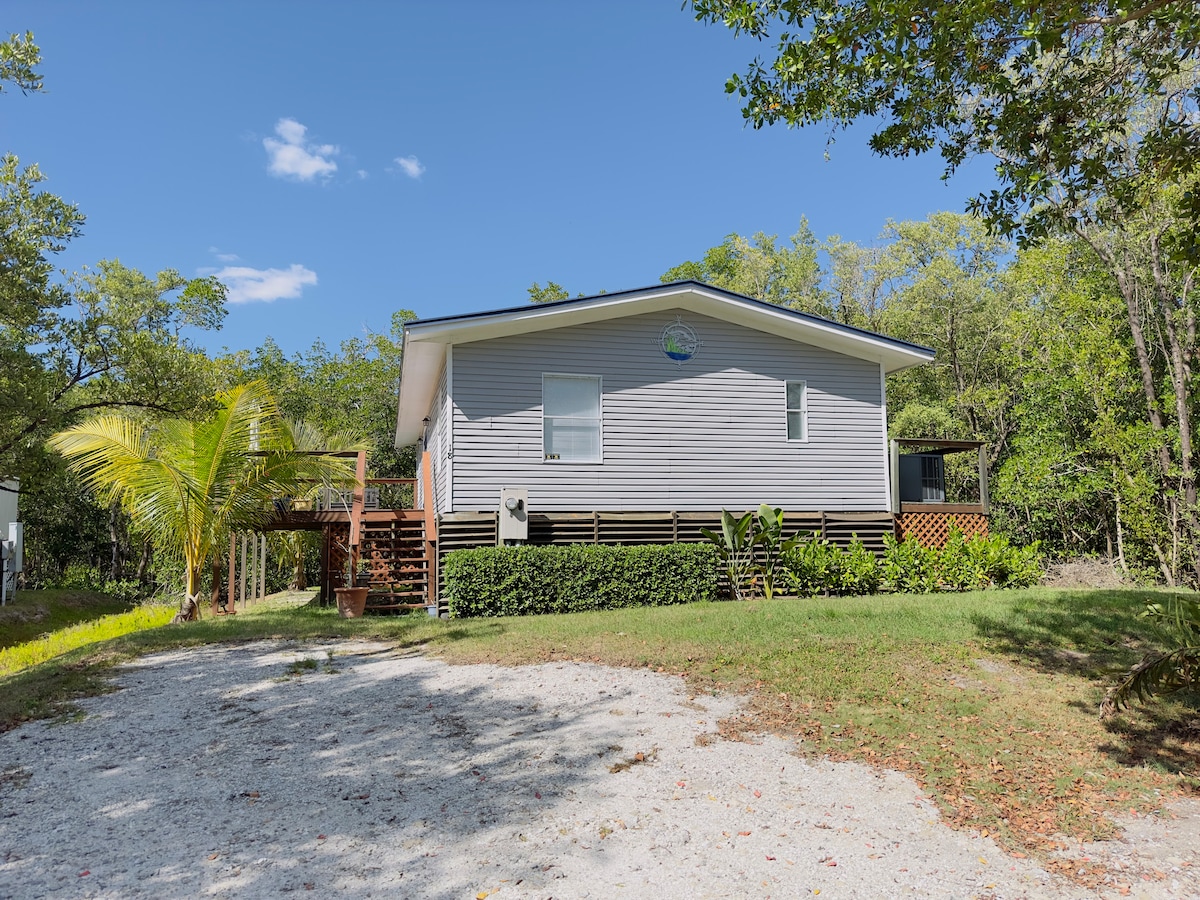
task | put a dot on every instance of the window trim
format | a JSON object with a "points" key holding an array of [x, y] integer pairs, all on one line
{"points": [[599, 380], [803, 410]]}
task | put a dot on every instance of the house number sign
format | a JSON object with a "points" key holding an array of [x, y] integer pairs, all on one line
{"points": [[678, 342]]}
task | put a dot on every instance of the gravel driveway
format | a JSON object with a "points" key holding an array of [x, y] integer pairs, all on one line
{"points": [[355, 770]]}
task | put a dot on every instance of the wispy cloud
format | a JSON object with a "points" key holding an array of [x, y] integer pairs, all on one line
{"points": [[296, 158], [247, 285], [410, 166]]}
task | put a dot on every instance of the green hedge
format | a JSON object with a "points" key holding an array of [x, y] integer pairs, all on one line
{"points": [[816, 566], [530, 580]]}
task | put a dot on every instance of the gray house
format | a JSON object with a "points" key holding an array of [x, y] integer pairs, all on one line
{"points": [[642, 414]]}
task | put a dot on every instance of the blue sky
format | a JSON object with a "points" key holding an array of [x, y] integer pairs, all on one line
{"points": [[336, 162]]}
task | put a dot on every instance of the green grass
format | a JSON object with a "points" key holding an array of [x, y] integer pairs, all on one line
{"points": [[989, 699], [31, 614]]}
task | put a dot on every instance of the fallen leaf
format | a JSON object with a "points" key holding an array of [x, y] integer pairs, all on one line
{"points": [[744, 833], [771, 858], [320, 837], [681, 784], [758, 793], [212, 856], [538, 794], [85, 872]]}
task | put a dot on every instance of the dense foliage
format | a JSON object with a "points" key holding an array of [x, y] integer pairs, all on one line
{"points": [[530, 580]]}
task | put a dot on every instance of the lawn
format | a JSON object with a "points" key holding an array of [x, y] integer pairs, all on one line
{"points": [[989, 699], [30, 614]]}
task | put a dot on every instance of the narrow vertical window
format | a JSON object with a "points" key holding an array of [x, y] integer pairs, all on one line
{"points": [[797, 410], [571, 418]]}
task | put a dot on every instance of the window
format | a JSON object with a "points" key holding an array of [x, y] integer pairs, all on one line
{"points": [[797, 410], [571, 418], [933, 479]]}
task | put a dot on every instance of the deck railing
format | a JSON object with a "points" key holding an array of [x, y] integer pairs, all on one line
{"points": [[378, 493]]}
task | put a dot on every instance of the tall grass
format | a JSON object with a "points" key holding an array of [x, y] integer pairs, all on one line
{"points": [[31, 653]]}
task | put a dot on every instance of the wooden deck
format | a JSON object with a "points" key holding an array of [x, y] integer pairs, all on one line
{"points": [[398, 551]]}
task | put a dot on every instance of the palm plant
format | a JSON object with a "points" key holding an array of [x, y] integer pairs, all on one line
{"points": [[309, 437], [188, 484], [1164, 673]]}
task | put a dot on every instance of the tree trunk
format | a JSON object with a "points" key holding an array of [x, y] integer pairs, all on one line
{"points": [[143, 566], [214, 596], [116, 563], [189, 607], [299, 577]]}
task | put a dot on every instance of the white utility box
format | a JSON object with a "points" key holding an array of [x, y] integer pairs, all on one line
{"points": [[514, 516]]}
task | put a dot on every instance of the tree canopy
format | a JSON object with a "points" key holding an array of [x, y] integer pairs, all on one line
{"points": [[1048, 89]]}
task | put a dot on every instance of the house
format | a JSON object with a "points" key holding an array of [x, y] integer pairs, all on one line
{"points": [[640, 415]]}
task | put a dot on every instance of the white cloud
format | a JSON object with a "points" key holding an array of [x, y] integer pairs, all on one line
{"points": [[363, 174], [293, 157], [247, 285], [228, 257], [410, 166]]}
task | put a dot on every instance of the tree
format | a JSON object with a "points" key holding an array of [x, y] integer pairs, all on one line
{"points": [[188, 484], [756, 267], [120, 343], [353, 390], [18, 57], [944, 291], [551, 293], [1044, 88]]}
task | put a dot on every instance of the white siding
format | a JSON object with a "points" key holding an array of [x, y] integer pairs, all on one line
{"points": [[711, 433], [438, 445]]}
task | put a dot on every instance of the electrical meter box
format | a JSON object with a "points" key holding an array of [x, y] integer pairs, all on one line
{"points": [[514, 516]]}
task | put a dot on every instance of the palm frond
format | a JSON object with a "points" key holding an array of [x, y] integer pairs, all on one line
{"points": [[1155, 676], [1164, 673]]}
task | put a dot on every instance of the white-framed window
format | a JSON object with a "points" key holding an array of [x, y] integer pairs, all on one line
{"points": [[571, 418], [797, 410]]}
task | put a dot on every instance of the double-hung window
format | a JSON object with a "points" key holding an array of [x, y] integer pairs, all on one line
{"points": [[797, 410], [571, 418]]}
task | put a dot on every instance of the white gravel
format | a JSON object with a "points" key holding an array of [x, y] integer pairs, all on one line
{"points": [[220, 772]]}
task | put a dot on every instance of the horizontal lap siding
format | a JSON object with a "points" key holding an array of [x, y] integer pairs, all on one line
{"points": [[438, 446], [705, 435]]}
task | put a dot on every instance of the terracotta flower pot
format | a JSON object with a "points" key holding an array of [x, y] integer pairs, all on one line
{"points": [[351, 601]]}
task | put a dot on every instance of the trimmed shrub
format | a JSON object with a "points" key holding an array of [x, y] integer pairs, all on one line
{"points": [[531, 580], [963, 564], [816, 566], [909, 567]]}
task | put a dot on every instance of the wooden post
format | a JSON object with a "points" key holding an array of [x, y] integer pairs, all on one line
{"points": [[262, 568], [430, 532], [245, 571], [356, 513], [984, 500], [231, 598]]}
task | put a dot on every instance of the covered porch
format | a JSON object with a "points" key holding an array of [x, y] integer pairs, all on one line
{"points": [[927, 500]]}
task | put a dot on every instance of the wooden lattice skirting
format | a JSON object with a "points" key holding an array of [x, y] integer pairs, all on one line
{"points": [[931, 529]]}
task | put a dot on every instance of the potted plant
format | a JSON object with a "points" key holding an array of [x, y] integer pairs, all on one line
{"points": [[352, 599]]}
